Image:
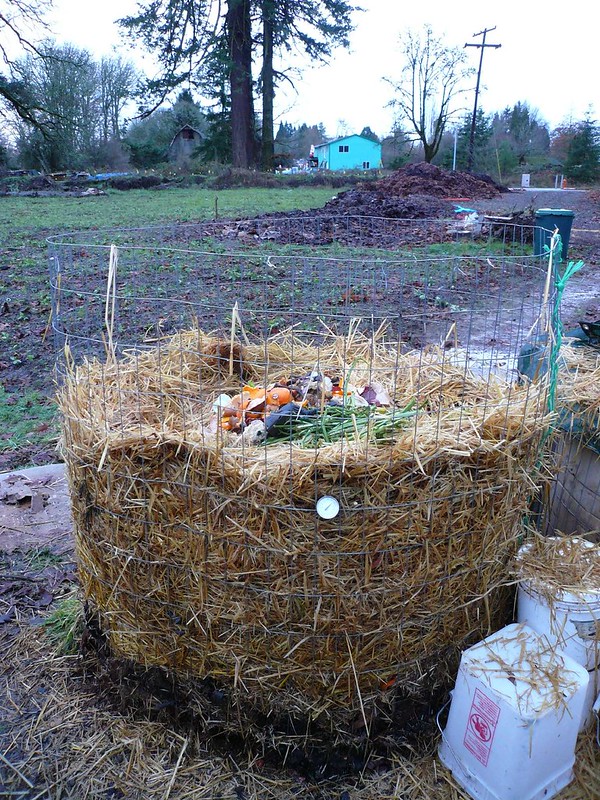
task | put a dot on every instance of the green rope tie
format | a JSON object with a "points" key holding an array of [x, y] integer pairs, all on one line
{"points": [[555, 336], [556, 327]]}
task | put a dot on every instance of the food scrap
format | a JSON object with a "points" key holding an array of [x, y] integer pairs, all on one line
{"points": [[313, 408]]}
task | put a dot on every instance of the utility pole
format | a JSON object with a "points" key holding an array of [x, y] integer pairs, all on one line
{"points": [[482, 47]]}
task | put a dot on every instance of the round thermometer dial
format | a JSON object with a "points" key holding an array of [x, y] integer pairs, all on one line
{"points": [[327, 507]]}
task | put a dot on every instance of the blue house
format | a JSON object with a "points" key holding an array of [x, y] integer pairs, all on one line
{"points": [[349, 152]]}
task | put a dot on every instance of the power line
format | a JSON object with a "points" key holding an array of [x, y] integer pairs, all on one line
{"points": [[482, 47]]}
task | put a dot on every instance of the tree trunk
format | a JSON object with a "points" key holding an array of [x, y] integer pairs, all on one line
{"points": [[239, 36], [268, 88]]}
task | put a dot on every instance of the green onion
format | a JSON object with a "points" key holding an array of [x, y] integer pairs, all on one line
{"points": [[345, 422]]}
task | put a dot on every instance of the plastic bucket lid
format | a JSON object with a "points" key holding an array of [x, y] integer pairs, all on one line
{"points": [[562, 599], [554, 212]]}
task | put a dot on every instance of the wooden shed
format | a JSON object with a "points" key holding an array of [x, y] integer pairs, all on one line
{"points": [[349, 152], [184, 143]]}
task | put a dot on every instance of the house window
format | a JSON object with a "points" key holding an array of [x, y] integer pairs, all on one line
{"points": [[343, 148], [366, 164], [187, 133]]}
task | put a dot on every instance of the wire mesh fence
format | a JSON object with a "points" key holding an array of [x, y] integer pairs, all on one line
{"points": [[170, 276], [299, 472]]}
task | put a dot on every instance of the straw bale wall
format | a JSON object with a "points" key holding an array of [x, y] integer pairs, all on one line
{"points": [[204, 554]]}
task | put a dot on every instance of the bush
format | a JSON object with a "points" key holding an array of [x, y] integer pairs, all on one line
{"points": [[246, 178]]}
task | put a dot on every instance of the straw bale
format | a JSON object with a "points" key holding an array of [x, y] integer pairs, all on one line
{"points": [[207, 557], [577, 390], [557, 564], [580, 365]]}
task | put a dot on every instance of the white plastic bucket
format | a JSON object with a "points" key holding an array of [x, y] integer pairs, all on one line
{"points": [[570, 621], [514, 718]]}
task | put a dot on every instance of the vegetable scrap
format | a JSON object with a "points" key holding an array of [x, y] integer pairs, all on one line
{"points": [[311, 409]]}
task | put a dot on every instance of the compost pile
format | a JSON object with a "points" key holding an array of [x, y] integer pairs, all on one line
{"points": [[203, 553], [417, 191], [387, 204], [427, 179], [578, 376], [364, 216], [577, 396]]}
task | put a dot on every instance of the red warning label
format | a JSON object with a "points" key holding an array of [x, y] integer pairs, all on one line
{"points": [[481, 727]]}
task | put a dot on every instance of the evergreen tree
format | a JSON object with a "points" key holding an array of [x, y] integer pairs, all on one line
{"points": [[283, 144], [198, 42], [560, 141], [149, 138], [186, 111], [312, 26], [368, 134], [481, 144], [304, 137], [396, 149], [217, 145], [527, 136], [4, 154], [583, 158]]}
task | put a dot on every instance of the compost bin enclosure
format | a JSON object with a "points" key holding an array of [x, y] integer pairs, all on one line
{"points": [[326, 559]]}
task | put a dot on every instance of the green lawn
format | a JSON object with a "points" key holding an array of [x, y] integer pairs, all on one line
{"points": [[24, 217]]}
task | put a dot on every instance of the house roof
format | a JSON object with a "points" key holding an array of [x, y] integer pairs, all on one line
{"points": [[184, 128], [341, 139]]}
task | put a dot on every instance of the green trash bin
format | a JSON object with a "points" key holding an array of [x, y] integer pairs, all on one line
{"points": [[546, 220]]}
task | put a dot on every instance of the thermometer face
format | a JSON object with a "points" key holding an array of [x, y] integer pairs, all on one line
{"points": [[327, 507]]}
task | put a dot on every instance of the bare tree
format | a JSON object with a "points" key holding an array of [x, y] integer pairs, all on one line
{"points": [[117, 80], [20, 20], [431, 81], [20, 24], [62, 80]]}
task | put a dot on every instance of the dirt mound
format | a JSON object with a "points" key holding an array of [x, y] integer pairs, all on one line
{"points": [[418, 191], [427, 179], [360, 202]]}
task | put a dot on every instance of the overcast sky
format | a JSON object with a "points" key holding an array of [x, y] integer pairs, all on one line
{"points": [[548, 57]]}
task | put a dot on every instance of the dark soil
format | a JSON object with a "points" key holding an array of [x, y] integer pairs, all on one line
{"points": [[429, 179], [193, 706]]}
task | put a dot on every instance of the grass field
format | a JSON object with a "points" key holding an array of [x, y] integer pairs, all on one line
{"points": [[23, 217]]}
